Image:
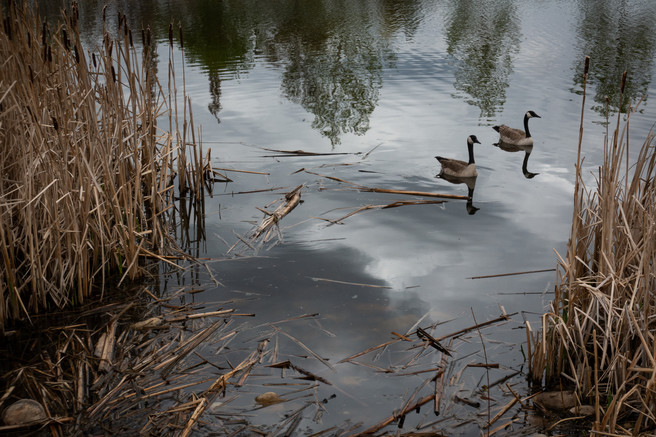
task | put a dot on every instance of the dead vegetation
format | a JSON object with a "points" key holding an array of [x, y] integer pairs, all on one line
{"points": [[108, 363], [150, 365], [92, 144], [599, 335], [109, 372]]}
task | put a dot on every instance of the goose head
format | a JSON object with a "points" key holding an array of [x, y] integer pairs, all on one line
{"points": [[472, 139], [531, 114]]}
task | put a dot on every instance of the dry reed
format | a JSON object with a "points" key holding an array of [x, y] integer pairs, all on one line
{"points": [[88, 173], [599, 333], [106, 362]]}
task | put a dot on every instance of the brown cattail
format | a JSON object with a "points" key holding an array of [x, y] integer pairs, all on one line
{"points": [[65, 39], [75, 16], [181, 41], [7, 23], [171, 34]]}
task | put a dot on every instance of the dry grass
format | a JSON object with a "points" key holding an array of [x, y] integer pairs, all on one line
{"points": [[87, 171], [599, 334]]}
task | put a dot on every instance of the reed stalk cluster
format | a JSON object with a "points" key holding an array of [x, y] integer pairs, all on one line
{"points": [[91, 145], [600, 333]]}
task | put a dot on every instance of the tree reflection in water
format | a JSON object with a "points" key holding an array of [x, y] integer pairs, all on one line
{"points": [[333, 66], [482, 38], [618, 36]]}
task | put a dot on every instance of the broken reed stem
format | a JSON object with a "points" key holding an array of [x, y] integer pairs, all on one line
{"points": [[598, 335], [86, 171], [487, 374]]}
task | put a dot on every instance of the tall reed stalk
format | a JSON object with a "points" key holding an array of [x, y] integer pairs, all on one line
{"points": [[600, 334], [87, 173]]}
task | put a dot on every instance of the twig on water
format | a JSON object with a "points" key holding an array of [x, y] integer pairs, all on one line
{"points": [[383, 423], [512, 274], [421, 333], [390, 191], [487, 371], [357, 284], [290, 153], [439, 384], [502, 318], [243, 171], [386, 206]]}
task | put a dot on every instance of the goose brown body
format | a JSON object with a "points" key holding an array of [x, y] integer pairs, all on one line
{"points": [[458, 168], [515, 136]]}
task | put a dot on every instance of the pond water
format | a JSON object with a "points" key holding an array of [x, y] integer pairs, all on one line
{"points": [[377, 89]]}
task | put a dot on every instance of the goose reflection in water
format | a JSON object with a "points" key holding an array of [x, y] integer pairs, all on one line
{"points": [[471, 184], [516, 148]]}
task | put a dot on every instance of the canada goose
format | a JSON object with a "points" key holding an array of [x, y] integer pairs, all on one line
{"points": [[457, 168], [516, 148], [514, 136]]}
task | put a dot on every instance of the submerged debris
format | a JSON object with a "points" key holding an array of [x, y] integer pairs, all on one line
{"points": [[268, 398], [23, 412]]}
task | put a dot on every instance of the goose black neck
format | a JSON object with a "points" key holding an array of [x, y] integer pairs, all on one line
{"points": [[470, 146], [528, 134]]}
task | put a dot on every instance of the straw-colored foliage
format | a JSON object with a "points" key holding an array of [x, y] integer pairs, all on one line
{"points": [[599, 335], [87, 174]]}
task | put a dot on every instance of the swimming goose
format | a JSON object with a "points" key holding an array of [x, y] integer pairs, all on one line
{"points": [[514, 136], [457, 168]]}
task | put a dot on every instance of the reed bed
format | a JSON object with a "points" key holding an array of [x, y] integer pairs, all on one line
{"points": [[599, 335], [129, 366], [91, 146]]}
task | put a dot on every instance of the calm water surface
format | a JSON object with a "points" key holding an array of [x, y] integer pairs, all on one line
{"points": [[387, 86]]}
